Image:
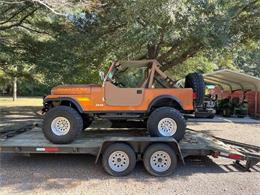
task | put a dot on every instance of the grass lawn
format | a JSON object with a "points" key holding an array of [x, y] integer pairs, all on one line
{"points": [[21, 101], [19, 113]]}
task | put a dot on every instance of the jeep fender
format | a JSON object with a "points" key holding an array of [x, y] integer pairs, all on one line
{"points": [[161, 98], [73, 101]]}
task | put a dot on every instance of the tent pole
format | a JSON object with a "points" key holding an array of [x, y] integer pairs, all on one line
{"points": [[256, 102]]}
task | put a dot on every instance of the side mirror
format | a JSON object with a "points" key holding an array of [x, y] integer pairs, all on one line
{"points": [[102, 75]]}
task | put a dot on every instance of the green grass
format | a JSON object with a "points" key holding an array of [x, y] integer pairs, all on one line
{"points": [[21, 101]]}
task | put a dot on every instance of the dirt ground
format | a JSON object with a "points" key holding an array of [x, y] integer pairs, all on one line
{"points": [[77, 174]]}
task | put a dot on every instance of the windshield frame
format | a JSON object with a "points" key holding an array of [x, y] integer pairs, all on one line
{"points": [[111, 68], [115, 70], [151, 68]]}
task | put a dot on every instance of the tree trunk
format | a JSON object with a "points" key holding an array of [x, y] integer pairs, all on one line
{"points": [[152, 51], [183, 57], [15, 89]]}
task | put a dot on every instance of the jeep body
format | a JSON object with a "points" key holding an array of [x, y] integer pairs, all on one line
{"points": [[136, 90], [114, 99]]}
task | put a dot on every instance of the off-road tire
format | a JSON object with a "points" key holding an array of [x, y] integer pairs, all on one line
{"points": [[196, 82], [119, 147], [74, 118], [166, 112], [164, 148]]}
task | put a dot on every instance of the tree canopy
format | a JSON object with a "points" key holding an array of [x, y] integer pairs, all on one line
{"points": [[47, 42]]}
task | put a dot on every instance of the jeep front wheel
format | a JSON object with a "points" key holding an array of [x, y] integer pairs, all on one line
{"points": [[62, 124], [166, 122]]}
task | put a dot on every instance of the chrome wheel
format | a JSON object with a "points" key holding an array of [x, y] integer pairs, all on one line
{"points": [[167, 127], [60, 126], [160, 161], [118, 161]]}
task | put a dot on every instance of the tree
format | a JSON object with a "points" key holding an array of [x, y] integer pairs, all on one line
{"points": [[45, 42], [14, 17], [58, 7], [31, 26], [171, 31], [247, 58]]}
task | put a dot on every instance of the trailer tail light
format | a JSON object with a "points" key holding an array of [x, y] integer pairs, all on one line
{"points": [[47, 149], [194, 95], [236, 156], [232, 156]]}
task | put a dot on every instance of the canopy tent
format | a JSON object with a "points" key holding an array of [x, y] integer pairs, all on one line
{"points": [[231, 80]]}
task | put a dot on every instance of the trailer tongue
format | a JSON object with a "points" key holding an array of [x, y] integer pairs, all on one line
{"points": [[119, 149]]}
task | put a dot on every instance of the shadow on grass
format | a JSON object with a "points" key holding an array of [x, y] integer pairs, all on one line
{"points": [[18, 116]]}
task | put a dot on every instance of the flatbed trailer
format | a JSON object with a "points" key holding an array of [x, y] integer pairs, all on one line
{"points": [[120, 147]]}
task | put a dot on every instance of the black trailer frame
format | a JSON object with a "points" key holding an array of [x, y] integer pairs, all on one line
{"points": [[30, 139]]}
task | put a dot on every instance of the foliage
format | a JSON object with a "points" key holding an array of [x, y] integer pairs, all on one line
{"points": [[247, 58], [170, 30], [46, 43]]}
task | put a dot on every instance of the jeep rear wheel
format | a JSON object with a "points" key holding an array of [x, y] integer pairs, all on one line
{"points": [[62, 124], [166, 122]]}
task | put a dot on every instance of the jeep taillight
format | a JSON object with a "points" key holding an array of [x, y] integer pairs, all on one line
{"points": [[194, 95]]}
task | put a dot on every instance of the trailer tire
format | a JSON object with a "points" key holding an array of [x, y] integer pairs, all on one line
{"points": [[196, 82], [160, 160], [119, 159], [166, 122], [62, 124]]}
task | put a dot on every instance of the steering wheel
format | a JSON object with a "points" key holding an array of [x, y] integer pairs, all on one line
{"points": [[115, 82], [120, 84]]}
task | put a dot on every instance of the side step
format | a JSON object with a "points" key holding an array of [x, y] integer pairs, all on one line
{"points": [[120, 116]]}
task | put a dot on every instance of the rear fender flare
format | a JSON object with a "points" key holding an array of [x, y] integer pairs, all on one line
{"points": [[161, 97]]}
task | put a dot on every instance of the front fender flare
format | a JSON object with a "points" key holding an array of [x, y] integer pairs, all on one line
{"points": [[78, 106]]}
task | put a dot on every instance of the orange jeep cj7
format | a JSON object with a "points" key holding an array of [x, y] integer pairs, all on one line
{"points": [[131, 90]]}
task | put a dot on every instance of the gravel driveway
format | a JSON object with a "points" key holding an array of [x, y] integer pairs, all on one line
{"points": [[77, 174]]}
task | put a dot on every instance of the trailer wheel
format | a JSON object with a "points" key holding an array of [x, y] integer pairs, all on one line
{"points": [[119, 159], [160, 160], [166, 122], [62, 124]]}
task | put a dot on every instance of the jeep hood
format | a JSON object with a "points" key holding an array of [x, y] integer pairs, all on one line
{"points": [[73, 89]]}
